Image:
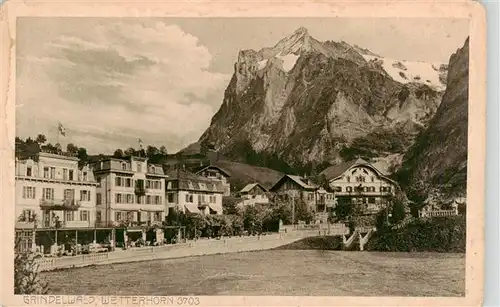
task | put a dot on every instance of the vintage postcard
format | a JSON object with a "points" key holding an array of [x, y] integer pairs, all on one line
{"points": [[216, 153]]}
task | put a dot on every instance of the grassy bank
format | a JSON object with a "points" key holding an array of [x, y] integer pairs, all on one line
{"points": [[319, 242], [440, 234]]}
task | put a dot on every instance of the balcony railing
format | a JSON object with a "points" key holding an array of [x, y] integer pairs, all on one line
{"points": [[60, 204], [140, 191]]}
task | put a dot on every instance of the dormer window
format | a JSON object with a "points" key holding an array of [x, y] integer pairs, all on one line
{"points": [[152, 169], [124, 166], [84, 176], [29, 172], [348, 179]]}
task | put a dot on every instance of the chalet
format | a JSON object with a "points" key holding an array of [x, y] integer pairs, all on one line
{"points": [[360, 182], [315, 197], [254, 194], [216, 173], [188, 192]]}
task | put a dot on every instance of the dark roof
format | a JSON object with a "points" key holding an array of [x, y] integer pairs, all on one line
{"points": [[192, 182], [216, 167], [334, 171], [250, 186], [300, 181]]}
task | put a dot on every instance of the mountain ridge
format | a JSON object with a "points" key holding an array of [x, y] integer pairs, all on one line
{"points": [[350, 100]]}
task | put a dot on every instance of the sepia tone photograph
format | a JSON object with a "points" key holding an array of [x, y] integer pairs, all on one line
{"points": [[241, 156]]}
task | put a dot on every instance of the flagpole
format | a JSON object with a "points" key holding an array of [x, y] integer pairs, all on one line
{"points": [[58, 132]]}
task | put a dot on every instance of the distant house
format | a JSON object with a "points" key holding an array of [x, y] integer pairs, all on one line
{"points": [[188, 192], [253, 194], [216, 173], [315, 197], [359, 182]]}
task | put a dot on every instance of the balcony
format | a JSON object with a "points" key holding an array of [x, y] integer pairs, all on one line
{"points": [[59, 204], [140, 191]]}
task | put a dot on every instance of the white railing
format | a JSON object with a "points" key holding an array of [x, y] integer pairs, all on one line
{"points": [[348, 242], [438, 213], [365, 239]]}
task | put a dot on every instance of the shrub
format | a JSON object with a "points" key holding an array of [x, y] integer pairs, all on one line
{"points": [[442, 234], [26, 274]]}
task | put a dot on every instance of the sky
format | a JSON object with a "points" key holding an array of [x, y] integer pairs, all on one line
{"points": [[111, 81]]}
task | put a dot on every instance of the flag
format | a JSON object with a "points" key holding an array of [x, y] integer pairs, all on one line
{"points": [[141, 145], [62, 130]]}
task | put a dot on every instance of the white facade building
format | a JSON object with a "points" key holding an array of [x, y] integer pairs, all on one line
{"points": [[130, 192], [53, 192]]}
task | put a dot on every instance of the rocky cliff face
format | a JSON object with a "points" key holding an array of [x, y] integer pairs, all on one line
{"points": [[438, 159], [305, 100]]}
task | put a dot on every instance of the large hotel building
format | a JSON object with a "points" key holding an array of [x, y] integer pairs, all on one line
{"points": [[130, 192], [53, 192]]}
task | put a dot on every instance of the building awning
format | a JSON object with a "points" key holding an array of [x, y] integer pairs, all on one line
{"points": [[193, 208], [216, 208]]}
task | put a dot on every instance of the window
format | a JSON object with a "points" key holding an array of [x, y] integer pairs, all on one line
{"points": [[29, 192], [118, 181], [28, 171], [85, 195], [99, 181], [28, 214], [373, 179], [187, 198], [170, 197], [348, 179], [119, 198], [130, 199], [84, 215], [118, 216], [152, 170], [139, 167], [157, 216], [70, 216], [70, 174], [69, 194], [348, 189], [52, 172], [48, 193], [148, 199], [128, 182], [45, 172], [98, 216], [124, 166], [158, 200], [65, 174], [98, 199], [84, 176]]}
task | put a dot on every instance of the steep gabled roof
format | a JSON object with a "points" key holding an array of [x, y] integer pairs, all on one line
{"points": [[297, 179], [335, 171], [250, 186], [216, 167]]}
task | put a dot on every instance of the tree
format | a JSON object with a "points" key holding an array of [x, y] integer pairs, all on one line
{"points": [[151, 151], [118, 154], [163, 150], [397, 210], [83, 156], [27, 279], [41, 139], [302, 212], [343, 209], [71, 148], [130, 152]]}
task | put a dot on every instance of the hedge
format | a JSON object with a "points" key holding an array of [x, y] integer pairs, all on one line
{"points": [[440, 234]]}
